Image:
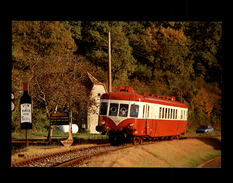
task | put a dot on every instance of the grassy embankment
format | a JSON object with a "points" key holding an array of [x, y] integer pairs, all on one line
{"points": [[187, 153]]}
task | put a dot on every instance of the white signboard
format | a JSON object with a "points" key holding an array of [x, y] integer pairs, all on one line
{"points": [[26, 113]]}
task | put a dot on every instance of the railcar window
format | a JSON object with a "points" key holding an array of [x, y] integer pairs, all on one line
{"points": [[166, 113], [162, 113], [148, 111], [168, 117], [171, 114], [143, 113], [176, 114], [123, 110], [134, 110], [160, 110], [181, 115], [113, 109], [103, 108]]}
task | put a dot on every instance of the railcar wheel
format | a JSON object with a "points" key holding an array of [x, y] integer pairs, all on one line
{"points": [[178, 137], [113, 138], [135, 140], [140, 140]]}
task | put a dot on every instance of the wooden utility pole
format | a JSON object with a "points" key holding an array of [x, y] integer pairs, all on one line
{"points": [[109, 63]]}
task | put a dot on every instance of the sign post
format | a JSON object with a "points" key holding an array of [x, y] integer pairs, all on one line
{"points": [[69, 141], [63, 119], [25, 111], [26, 137]]}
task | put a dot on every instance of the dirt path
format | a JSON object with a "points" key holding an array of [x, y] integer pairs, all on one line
{"points": [[175, 153]]}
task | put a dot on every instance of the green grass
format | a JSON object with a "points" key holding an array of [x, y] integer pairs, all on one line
{"points": [[192, 132], [194, 161], [56, 133]]}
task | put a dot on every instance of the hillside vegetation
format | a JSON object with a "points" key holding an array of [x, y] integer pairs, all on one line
{"points": [[181, 59]]}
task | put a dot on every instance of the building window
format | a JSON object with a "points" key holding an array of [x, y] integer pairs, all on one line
{"points": [[113, 109]]}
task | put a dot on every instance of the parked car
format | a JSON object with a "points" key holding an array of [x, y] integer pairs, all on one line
{"points": [[205, 129]]}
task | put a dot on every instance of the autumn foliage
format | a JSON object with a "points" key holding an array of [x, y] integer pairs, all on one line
{"points": [[181, 59]]}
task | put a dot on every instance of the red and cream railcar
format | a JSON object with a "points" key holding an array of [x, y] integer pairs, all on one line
{"points": [[128, 115]]}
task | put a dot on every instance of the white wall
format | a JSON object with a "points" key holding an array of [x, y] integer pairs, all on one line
{"points": [[92, 116]]}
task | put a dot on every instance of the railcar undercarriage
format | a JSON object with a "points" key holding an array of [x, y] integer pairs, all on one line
{"points": [[120, 137]]}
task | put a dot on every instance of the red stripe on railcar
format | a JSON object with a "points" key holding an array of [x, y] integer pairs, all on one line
{"points": [[150, 127]]}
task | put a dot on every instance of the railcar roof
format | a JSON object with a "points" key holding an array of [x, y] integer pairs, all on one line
{"points": [[137, 97]]}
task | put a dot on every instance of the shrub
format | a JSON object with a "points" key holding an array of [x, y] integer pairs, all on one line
{"points": [[39, 120]]}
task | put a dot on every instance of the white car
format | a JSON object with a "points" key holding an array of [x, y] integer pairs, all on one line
{"points": [[205, 129]]}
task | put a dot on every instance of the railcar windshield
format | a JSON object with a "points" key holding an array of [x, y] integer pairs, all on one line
{"points": [[103, 108], [123, 110], [113, 109], [134, 110]]}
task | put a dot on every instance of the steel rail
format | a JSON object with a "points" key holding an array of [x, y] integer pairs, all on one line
{"points": [[38, 158], [77, 161]]}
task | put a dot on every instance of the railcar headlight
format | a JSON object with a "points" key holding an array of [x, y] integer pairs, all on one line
{"points": [[131, 124], [102, 122]]}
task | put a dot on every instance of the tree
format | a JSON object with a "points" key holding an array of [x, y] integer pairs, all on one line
{"points": [[206, 42], [95, 38], [42, 53], [181, 59]]}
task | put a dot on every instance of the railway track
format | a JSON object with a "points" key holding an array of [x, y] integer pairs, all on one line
{"points": [[75, 157], [56, 158]]}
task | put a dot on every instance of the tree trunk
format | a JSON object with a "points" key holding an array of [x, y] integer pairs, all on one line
{"points": [[50, 133]]}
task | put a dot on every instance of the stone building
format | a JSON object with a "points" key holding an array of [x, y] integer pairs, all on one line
{"points": [[97, 90]]}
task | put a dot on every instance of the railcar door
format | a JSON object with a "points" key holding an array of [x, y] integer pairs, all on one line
{"points": [[148, 124]]}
